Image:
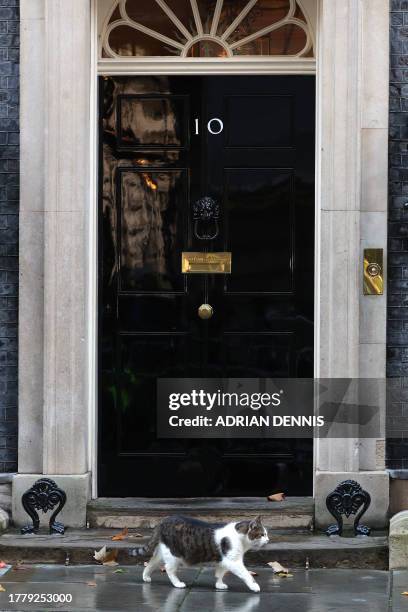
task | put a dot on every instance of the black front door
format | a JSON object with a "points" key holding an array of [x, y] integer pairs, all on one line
{"points": [[165, 142]]}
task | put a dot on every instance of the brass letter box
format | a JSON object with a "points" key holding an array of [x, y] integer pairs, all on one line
{"points": [[206, 263], [373, 272]]}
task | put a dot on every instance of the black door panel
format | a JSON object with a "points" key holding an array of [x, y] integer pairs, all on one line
{"points": [[157, 156]]}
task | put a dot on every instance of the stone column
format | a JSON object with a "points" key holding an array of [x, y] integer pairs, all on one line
{"points": [[57, 314], [353, 118], [68, 65], [31, 261]]}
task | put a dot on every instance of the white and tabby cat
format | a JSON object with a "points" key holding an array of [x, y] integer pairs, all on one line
{"points": [[178, 540]]}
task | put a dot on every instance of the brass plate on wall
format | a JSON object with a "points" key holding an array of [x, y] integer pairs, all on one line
{"points": [[206, 263], [373, 271]]}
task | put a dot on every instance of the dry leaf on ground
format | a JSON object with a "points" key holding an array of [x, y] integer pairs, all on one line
{"points": [[135, 535], [2, 589], [121, 536], [405, 593], [110, 558], [106, 557], [99, 555], [278, 568], [91, 583], [276, 497]]}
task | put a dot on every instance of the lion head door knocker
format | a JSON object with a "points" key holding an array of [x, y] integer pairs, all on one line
{"points": [[348, 498], [206, 214]]}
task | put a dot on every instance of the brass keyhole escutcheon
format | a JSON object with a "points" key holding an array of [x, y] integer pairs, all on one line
{"points": [[205, 312], [373, 270]]}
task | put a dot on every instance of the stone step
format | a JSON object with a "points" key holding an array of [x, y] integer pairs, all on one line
{"points": [[291, 547], [294, 512]]}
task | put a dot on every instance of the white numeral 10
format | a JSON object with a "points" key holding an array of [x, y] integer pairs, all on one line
{"points": [[214, 126]]}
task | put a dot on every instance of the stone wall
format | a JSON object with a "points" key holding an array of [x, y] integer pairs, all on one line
{"points": [[9, 209], [397, 334]]}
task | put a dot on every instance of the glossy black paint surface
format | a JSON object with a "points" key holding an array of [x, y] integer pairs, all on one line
{"points": [[153, 166]]}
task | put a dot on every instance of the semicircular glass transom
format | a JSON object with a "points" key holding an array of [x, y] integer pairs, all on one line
{"points": [[207, 28]]}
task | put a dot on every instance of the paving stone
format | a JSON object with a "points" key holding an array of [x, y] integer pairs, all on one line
{"points": [[399, 585], [306, 591]]}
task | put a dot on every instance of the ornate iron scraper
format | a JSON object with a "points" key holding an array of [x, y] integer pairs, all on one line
{"points": [[346, 499], [44, 495]]}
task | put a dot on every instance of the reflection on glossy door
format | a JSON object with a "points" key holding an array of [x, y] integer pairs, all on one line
{"points": [[154, 164]]}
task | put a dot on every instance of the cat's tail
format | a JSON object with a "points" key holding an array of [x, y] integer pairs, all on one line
{"points": [[148, 548]]}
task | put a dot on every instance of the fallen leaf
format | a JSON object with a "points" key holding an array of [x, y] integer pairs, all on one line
{"points": [[106, 557], [100, 554], [120, 571], [276, 497], [111, 555], [91, 583], [277, 567], [284, 575], [135, 535], [2, 589], [404, 593], [121, 536], [110, 558]]}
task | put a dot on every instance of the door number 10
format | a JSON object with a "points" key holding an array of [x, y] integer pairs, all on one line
{"points": [[214, 126]]}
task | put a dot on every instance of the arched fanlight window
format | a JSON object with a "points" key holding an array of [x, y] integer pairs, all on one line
{"points": [[207, 28]]}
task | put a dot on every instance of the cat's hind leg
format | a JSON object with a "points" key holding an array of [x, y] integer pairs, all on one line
{"points": [[219, 575], [171, 564], [153, 564]]}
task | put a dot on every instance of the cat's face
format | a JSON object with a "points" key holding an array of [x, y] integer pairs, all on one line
{"points": [[254, 532]]}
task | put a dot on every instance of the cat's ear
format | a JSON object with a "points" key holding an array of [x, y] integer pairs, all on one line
{"points": [[243, 527], [256, 523]]}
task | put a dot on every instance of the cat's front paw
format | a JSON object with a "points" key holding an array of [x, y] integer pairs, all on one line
{"points": [[255, 588], [180, 585], [146, 578], [221, 586]]}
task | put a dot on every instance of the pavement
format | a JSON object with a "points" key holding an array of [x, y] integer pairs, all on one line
{"points": [[98, 588]]}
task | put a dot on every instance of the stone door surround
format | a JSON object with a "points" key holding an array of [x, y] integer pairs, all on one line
{"points": [[57, 343]]}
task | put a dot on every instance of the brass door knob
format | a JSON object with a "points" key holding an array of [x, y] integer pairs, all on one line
{"points": [[205, 311]]}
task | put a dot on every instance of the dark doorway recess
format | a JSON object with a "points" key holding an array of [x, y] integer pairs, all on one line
{"points": [[153, 165]]}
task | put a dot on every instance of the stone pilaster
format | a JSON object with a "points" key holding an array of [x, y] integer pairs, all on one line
{"points": [[67, 87], [352, 186], [56, 74]]}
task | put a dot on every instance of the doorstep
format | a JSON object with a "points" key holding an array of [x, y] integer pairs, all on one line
{"points": [[291, 547], [139, 512]]}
